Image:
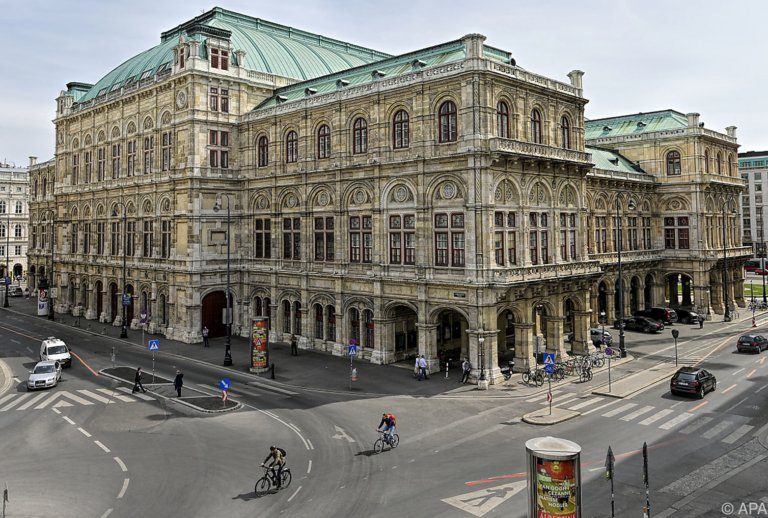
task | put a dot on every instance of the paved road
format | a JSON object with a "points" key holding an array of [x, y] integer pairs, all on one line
{"points": [[458, 457]]}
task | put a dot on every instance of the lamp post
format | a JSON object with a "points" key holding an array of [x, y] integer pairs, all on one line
{"points": [[6, 303], [124, 327], [228, 315], [622, 347], [602, 321], [762, 267], [51, 285], [727, 312], [481, 342]]}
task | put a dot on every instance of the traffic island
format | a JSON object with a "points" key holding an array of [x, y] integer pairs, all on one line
{"points": [[544, 417], [624, 387], [128, 374]]}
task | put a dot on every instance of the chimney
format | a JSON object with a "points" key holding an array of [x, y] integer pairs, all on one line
{"points": [[575, 77], [33, 160], [693, 119], [731, 130], [473, 45]]}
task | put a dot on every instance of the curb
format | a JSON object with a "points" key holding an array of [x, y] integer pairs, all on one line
{"points": [[560, 416], [603, 389], [7, 377], [177, 400]]}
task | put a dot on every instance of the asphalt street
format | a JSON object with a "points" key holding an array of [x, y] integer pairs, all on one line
{"points": [[90, 448]]}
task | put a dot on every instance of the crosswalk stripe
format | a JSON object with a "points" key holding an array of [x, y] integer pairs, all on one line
{"points": [[717, 429], [586, 403], [137, 394], [63, 394], [97, 397], [676, 421], [736, 435], [111, 393], [655, 417], [15, 402], [617, 411], [559, 395], [601, 407], [695, 425], [7, 397], [34, 400], [564, 402], [637, 413]]}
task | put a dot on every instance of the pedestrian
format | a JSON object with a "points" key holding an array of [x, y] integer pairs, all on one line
{"points": [[417, 369], [178, 382], [466, 367], [294, 346], [701, 322], [205, 337], [137, 382], [423, 367]]}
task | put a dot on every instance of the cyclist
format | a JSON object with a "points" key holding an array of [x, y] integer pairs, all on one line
{"points": [[278, 459], [387, 425]]}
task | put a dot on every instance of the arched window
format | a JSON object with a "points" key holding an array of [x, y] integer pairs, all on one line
{"points": [[502, 120], [331, 327], [360, 136], [19, 207], [263, 151], [319, 321], [286, 316], [730, 165], [400, 130], [2, 207], [323, 141], [297, 318], [565, 132], [536, 126], [163, 307], [673, 163], [291, 147], [706, 161], [45, 187], [17, 231], [719, 163], [447, 120]]}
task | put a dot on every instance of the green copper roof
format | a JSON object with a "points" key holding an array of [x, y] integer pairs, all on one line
{"points": [[611, 160], [268, 47], [636, 124]]}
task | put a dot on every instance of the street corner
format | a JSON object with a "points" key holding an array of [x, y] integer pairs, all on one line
{"points": [[6, 377], [207, 404], [543, 417]]}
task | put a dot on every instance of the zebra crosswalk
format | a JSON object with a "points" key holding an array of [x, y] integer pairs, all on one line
{"points": [[64, 398], [667, 419]]}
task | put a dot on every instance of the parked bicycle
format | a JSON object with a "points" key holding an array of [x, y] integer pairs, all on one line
{"points": [[269, 480], [533, 377], [386, 439]]}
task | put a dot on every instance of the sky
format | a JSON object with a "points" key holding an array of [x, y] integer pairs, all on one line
{"points": [[638, 56]]}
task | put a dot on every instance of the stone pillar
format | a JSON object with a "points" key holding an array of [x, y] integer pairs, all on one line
{"points": [[90, 313], [524, 347], [582, 341], [687, 295], [610, 307], [384, 352], [674, 299], [641, 296], [342, 333], [627, 300], [427, 336], [277, 329], [325, 323], [554, 334], [275, 321], [738, 287], [305, 338]]}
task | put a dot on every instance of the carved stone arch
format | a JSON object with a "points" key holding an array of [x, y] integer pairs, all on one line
{"points": [[515, 309], [101, 137], [710, 205], [100, 210], [396, 107], [321, 198], [130, 208], [165, 205], [441, 98], [550, 309], [676, 204], [289, 294], [447, 188], [435, 312], [88, 140], [321, 298], [356, 301], [166, 118], [646, 205], [73, 212], [318, 124], [568, 197], [507, 97], [357, 113], [539, 194], [578, 301], [86, 211], [540, 105], [393, 304], [506, 192], [601, 202], [357, 194], [131, 128], [260, 292], [398, 192], [115, 132], [290, 199], [75, 143], [289, 129], [147, 208], [148, 123], [260, 201]]}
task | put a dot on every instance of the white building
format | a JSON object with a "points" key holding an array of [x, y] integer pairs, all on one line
{"points": [[753, 167], [14, 218]]}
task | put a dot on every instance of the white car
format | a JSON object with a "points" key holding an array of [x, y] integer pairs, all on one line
{"points": [[56, 350], [46, 374]]}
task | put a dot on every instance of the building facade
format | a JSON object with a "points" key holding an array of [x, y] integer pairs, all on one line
{"points": [[753, 167], [444, 202], [14, 220]]}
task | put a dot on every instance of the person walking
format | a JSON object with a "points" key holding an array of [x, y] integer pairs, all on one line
{"points": [[137, 382], [417, 369], [178, 382], [466, 368], [205, 337], [423, 367], [701, 322], [294, 346]]}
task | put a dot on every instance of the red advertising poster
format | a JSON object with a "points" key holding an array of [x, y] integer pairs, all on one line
{"points": [[555, 489], [260, 343]]}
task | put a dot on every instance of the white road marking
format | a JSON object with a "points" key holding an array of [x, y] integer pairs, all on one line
{"points": [[737, 434], [658, 415], [676, 421], [15, 341], [311, 447], [111, 393], [107, 513], [17, 380], [294, 427], [63, 394], [309, 467], [479, 503], [695, 425], [738, 371], [761, 388], [59, 404], [30, 350], [67, 419], [295, 493], [564, 395], [717, 429], [273, 416], [95, 396], [637, 413], [597, 409], [341, 434], [98, 443], [56, 410], [569, 400], [542, 396], [15, 402], [737, 404], [586, 403], [6, 398], [124, 488], [84, 432], [121, 463], [32, 401], [595, 469], [617, 411], [137, 394]]}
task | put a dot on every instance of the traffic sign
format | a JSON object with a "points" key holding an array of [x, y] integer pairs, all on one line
{"points": [[352, 351], [7, 281], [126, 299], [608, 351], [154, 345], [143, 317], [224, 384], [549, 363]]}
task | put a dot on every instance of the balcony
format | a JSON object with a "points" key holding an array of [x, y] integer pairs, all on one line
{"points": [[546, 271], [531, 150]]}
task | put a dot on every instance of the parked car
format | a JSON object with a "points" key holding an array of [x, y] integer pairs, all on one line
{"points": [[16, 291], [692, 380], [760, 271], [663, 315], [45, 374], [644, 324], [752, 343], [687, 316], [752, 265], [55, 349], [595, 334]]}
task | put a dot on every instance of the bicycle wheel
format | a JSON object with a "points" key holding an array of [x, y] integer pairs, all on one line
{"points": [[559, 373], [285, 478], [599, 361], [262, 485], [526, 377], [539, 379], [378, 446], [395, 441]]}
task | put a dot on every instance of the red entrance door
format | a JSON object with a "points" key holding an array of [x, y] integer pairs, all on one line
{"points": [[212, 313]]}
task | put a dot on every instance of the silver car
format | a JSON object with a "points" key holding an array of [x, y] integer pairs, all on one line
{"points": [[46, 374]]}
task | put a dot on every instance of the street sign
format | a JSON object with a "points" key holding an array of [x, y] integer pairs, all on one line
{"points": [[608, 351], [143, 318], [154, 345], [126, 299], [352, 351], [549, 362], [224, 384], [675, 333], [609, 463], [7, 281]]}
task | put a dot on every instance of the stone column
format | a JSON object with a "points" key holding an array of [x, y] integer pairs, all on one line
{"points": [[641, 296], [305, 339], [427, 337], [384, 352], [610, 306], [524, 347], [90, 312], [582, 341], [555, 336], [738, 288], [342, 333]]}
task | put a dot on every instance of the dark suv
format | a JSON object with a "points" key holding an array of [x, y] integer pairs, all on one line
{"points": [[692, 380], [751, 343], [663, 315]]}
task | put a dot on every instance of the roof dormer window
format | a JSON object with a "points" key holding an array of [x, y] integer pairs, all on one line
{"points": [[220, 59]]}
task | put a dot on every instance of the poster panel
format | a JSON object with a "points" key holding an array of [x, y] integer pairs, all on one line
{"points": [[260, 343], [42, 302], [556, 488]]}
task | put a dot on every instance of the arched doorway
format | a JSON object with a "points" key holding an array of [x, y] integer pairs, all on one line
{"points": [[99, 298], [634, 295], [404, 332], [18, 270], [679, 289], [540, 317], [452, 338], [129, 309], [213, 307], [113, 302], [602, 300], [505, 323], [648, 291], [32, 281]]}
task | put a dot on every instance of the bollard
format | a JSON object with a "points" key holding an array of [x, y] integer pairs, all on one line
{"points": [[446, 370], [272, 370]]}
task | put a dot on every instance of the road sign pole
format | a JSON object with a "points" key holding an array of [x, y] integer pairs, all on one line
{"points": [[549, 384], [647, 510], [350, 371], [609, 373], [153, 366]]}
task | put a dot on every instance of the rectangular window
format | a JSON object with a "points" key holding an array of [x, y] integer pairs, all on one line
{"points": [[669, 238], [214, 99], [449, 239], [360, 239], [75, 168], [130, 238], [17, 250], [214, 58], [73, 239], [101, 165], [262, 238], [165, 238], [498, 248], [147, 238], [533, 247], [149, 154], [115, 161], [544, 247], [88, 167], [131, 165], [457, 245], [441, 248], [87, 238], [114, 235], [167, 142], [632, 229], [292, 238], [647, 234], [218, 154], [224, 100], [324, 239]]}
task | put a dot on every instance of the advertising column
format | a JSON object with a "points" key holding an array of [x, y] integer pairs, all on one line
{"points": [[42, 302], [259, 344], [554, 478]]}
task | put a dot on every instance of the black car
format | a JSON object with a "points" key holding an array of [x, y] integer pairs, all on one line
{"points": [[692, 380], [663, 315], [687, 316], [644, 324], [598, 337], [752, 343]]}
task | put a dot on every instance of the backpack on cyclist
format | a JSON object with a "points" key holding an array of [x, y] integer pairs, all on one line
{"points": [[282, 451], [392, 418]]}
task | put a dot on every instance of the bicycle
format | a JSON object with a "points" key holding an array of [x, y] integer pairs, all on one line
{"points": [[392, 440], [586, 374], [533, 378], [269, 480], [597, 358]]}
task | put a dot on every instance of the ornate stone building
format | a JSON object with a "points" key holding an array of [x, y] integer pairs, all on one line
{"points": [[441, 202], [14, 219]]}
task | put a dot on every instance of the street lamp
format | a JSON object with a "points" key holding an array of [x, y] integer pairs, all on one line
{"points": [[602, 321], [51, 285], [124, 327], [481, 353], [727, 312], [7, 304], [622, 347], [228, 316]]}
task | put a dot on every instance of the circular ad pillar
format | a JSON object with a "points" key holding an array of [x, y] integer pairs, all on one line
{"points": [[554, 478]]}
